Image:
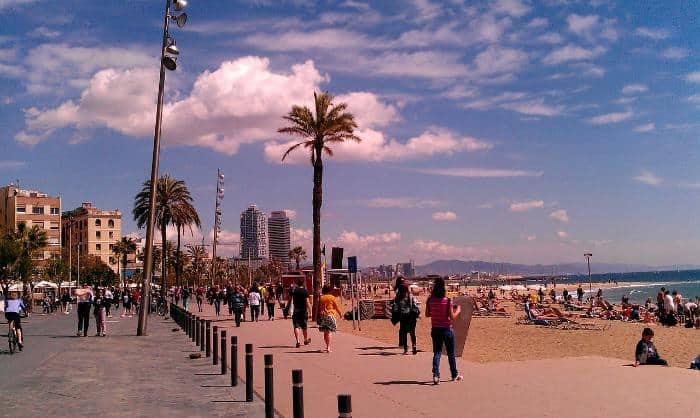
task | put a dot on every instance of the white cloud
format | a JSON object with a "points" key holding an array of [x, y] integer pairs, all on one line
{"points": [[535, 107], [427, 10], [538, 22], [675, 53], [655, 34], [420, 64], [11, 164], [526, 205], [647, 177], [11, 71], [240, 102], [552, 38], [291, 213], [354, 241], [591, 27], [44, 32], [368, 110], [571, 52], [515, 8], [517, 102], [560, 215], [447, 216], [562, 234], [302, 237], [608, 118], [695, 98], [460, 92], [634, 88], [693, 77], [499, 60], [324, 39], [376, 148], [473, 172], [6, 4], [648, 127], [400, 202], [440, 249]]}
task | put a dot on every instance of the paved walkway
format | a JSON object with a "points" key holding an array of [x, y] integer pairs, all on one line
{"points": [[384, 383], [61, 375]]}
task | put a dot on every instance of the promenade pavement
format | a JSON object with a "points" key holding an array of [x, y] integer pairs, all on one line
{"points": [[121, 375], [383, 382]]}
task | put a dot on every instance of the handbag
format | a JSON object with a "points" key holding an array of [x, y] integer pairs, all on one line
{"points": [[395, 313], [415, 310]]}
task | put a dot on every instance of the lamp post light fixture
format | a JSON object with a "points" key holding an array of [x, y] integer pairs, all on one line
{"points": [[168, 60], [588, 259]]}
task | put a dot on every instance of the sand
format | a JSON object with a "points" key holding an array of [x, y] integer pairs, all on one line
{"points": [[503, 339]]}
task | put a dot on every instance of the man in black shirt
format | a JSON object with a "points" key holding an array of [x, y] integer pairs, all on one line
{"points": [[301, 300]]}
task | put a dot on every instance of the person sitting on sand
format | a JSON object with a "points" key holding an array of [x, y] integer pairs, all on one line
{"points": [[646, 352]]}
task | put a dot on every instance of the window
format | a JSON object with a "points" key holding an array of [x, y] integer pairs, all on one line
{"points": [[54, 242], [111, 234], [112, 260], [98, 234], [110, 223], [98, 247], [55, 211], [111, 247], [37, 210], [21, 209], [54, 225], [98, 223]]}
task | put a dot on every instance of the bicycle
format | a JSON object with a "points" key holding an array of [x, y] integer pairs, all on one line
{"points": [[12, 338]]}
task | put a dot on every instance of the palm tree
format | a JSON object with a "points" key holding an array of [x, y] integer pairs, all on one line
{"points": [[31, 239], [298, 254], [122, 249], [197, 254], [184, 215], [171, 193], [329, 124], [10, 253]]}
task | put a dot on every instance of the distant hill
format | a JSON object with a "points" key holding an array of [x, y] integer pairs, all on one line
{"points": [[447, 267]]}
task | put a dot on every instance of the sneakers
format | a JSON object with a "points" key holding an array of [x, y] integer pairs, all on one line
{"points": [[298, 345], [78, 334], [458, 378], [436, 380], [415, 351], [307, 342]]}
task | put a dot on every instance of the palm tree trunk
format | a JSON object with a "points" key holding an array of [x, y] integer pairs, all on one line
{"points": [[317, 202], [124, 261], [164, 256], [177, 255]]}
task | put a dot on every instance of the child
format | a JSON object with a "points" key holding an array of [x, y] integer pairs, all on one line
{"points": [[646, 351]]}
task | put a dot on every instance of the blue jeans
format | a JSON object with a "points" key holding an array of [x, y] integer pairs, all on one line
{"points": [[442, 336]]}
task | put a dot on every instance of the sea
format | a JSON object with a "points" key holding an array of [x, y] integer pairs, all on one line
{"points": [[646, 284]]}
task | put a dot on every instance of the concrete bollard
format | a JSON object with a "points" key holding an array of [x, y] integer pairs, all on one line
{"points": [[249, 372], [297, 394], [269, 388], [215, 343], [344, 406], [234, 360], [207, 338], [224, 363]]}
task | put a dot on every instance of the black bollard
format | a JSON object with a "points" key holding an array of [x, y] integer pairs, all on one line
{"points": [[215, 343], [186, 324], [196, 331], [234, 360], [201, 335], [207, 338], [249, 372], [269, 388], [297, 394], [344, 406], [223, 351]]}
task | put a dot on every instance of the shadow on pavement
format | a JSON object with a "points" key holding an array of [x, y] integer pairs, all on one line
{"points": [[404, 382], [375, 348], [305, 352], [276, 346], [380, 353]]}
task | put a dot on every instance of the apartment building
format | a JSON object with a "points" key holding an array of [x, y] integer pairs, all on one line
{"points": [[33, 208], [91, 231], [279, 237]]}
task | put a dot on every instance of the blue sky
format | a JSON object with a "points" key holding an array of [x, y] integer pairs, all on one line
{"points": [[507, 130]]}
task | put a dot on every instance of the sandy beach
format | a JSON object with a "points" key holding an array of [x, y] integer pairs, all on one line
{"points": [[503, 339]]}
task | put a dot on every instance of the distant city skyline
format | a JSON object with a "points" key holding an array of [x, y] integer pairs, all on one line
{"points": [[508, 130]]}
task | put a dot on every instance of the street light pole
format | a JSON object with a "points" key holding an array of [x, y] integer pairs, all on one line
{"points": [[142, 328], [588, 259]]}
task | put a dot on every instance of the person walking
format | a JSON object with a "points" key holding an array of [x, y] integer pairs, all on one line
{"points": [[237, 304], [84, 296], [109, 297], [100, 312], [185, 297], [65, 301], [126, 301], [408, 313], [200, 298], [254, 300], [270, 302], [441, 312], [301, 301], [328, 310], [216, 298]]}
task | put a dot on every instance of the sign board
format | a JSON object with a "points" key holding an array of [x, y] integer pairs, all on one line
{"points": [[461, 324], [352, 264]]}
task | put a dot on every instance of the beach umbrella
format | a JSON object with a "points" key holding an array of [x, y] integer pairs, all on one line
{"points": [[45, 283], [519, 287], [506, 288]]}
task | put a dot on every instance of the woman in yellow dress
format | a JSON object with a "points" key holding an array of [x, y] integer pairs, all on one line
{"points": [[328, 310]]}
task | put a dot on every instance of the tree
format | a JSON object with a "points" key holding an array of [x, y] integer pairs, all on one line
{"points": [[122, 249], [184, 215], [10, 253], [329, 124], [94, 271], [171, 195], [31, 240], [56, 269], [197, 255], [298, 254]]}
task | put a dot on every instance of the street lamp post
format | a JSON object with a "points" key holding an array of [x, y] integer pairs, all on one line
{"points": [[168, 59], [588, 259]]}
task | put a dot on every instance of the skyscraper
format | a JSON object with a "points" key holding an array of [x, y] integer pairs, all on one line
{"points": [[278, 232], [253, 234]]}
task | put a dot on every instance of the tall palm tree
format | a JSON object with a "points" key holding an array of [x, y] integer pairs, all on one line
{"points": [[197, 254], [170, 194], [184, 215], [328, 124], [298, 254], [122, 249], [31, 240]]}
